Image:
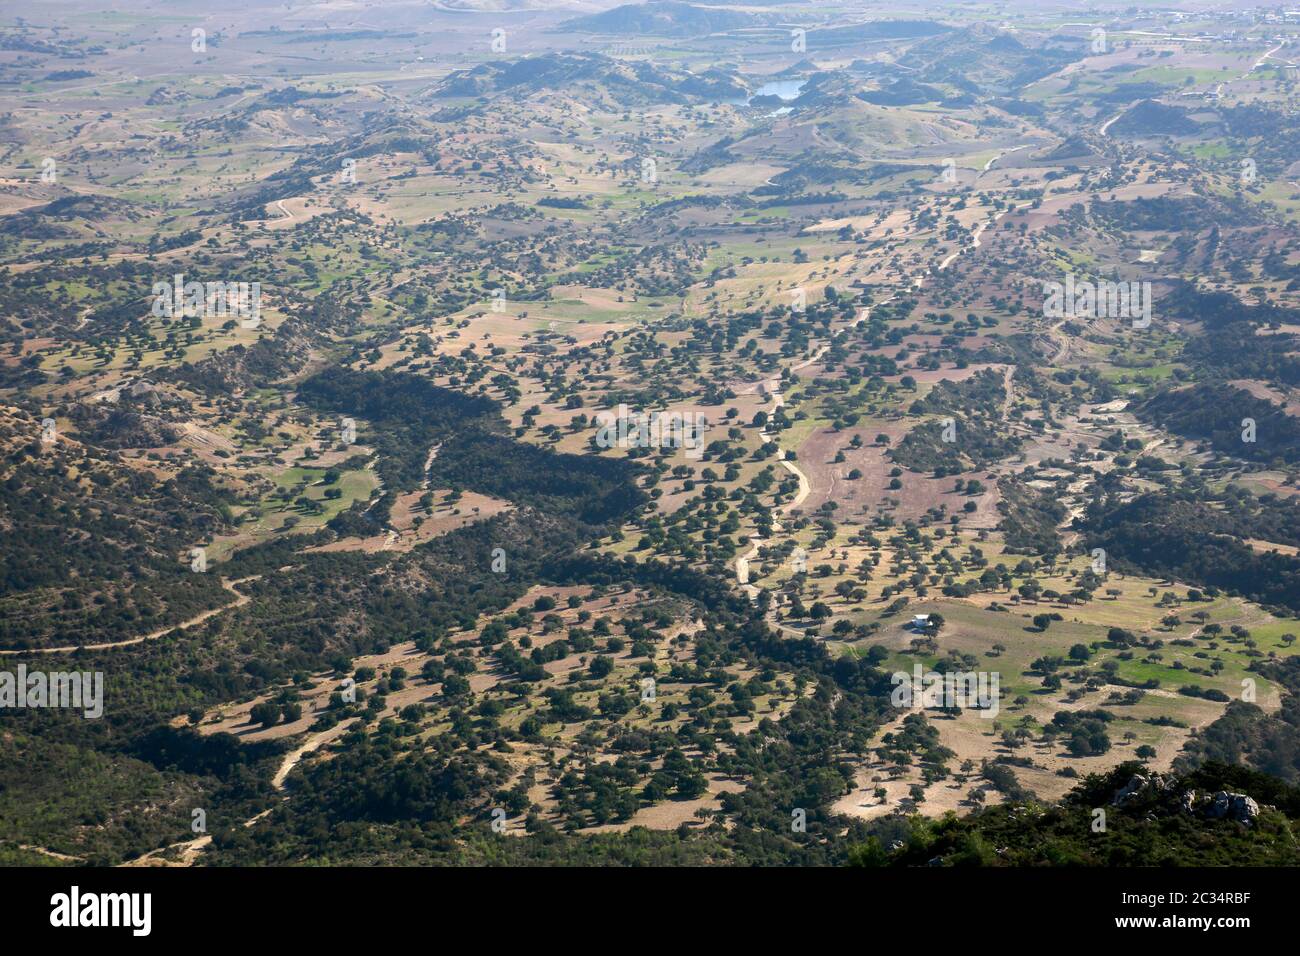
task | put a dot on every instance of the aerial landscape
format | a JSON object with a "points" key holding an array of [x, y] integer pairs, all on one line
{"points": [[571, 433]]}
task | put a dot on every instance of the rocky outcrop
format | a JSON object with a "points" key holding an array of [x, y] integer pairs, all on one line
{"points": [[1232, 806], [1141, 784], [1144, 787]]}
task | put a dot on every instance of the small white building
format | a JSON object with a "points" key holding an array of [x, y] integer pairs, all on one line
{"points": [[920, 622]]}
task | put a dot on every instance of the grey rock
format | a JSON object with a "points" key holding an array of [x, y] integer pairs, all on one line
{"points": [[1232, 806], [1140, 783]]}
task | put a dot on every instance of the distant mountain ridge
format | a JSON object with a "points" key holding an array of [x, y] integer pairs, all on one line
{"points": [[666, 18], [626, 83]]}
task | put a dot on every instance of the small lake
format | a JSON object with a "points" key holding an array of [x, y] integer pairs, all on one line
{"points": [[783, 89]]}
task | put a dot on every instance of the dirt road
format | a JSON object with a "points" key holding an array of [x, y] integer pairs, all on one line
{"points": [[240, 601]]}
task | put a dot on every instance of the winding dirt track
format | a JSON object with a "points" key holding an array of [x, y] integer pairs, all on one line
{"points": [[188, 851], [239, 601], [312, 743], [805, 486]]}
